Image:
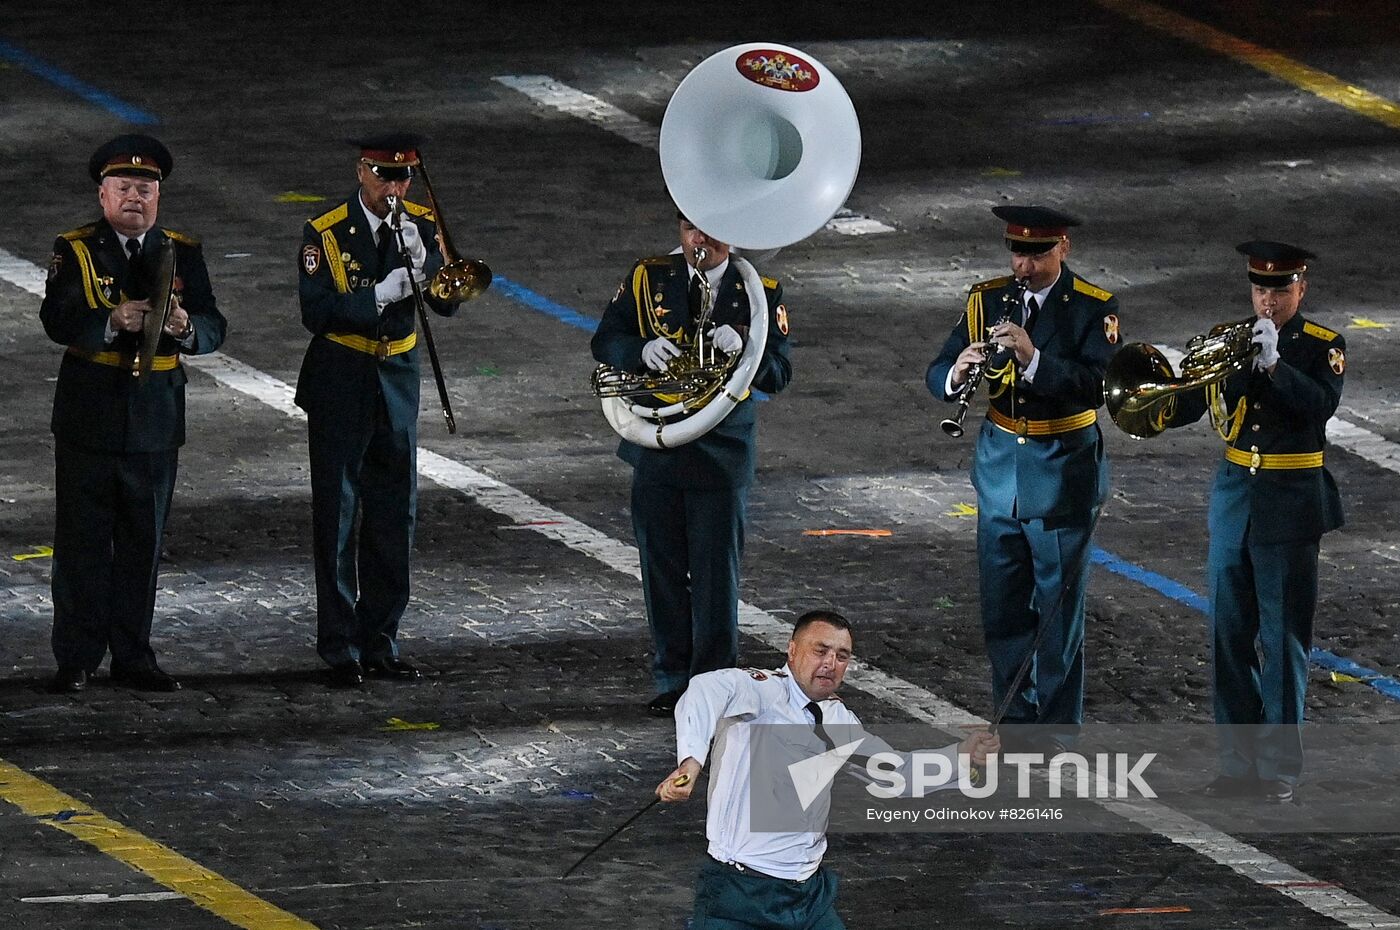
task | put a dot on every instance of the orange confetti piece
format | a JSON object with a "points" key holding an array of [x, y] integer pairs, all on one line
{"points": [[876, 533], [1173, 909]]}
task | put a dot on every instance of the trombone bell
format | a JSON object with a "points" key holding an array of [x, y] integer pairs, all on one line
{"points": [[459, 280]]}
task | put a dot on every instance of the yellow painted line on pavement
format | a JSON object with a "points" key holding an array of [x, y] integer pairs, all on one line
{"points": [[186, 877], [1324, 85]]}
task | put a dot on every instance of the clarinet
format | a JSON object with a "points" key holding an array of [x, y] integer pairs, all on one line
{"points": [[953, 425]]}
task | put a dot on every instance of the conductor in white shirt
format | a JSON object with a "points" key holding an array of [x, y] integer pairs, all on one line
{"points": [[768, 879]]}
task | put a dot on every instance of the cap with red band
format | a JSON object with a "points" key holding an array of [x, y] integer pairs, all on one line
{"points": [[1031, 229], [391, 156], [1274, 264], [132, 155]]}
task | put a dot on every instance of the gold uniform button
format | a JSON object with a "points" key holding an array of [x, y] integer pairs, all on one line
{"points": [[1255, 427], [1254, 449]]}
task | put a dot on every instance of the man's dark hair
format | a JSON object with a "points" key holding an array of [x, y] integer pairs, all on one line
{"points": [[820, 616]]}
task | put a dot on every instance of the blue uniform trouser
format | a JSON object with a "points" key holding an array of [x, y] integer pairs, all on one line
{"points": [[690, 542], [1263, 598], [110, 519], [366, 473], [727, 899], [1033, 573]]}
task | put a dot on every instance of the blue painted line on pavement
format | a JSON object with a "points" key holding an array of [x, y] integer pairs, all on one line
{"points": [[535, 301], [41, 68], [1389, 687]]}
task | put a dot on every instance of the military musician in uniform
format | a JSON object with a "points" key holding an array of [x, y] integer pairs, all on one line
{"points": [[1044, 335], [117, 433], [688, 502], [359, 387], [1272, 500]]}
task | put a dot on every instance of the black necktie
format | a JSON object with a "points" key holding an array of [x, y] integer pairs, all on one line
{"points": [[133, 251], [1031, 308], [815, 710], [385, 237], [694, 295]]}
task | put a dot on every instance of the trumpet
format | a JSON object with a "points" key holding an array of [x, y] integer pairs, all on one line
{"points": [[953, 425], [1140, 388]]}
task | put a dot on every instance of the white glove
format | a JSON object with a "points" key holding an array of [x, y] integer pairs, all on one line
{"points": [[1266, 337], [727, 339], [413, 241], [658, 352], [396, 287]]}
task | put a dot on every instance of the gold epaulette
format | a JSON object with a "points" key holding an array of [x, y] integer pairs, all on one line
{"points": [[1321, 332], [180, 237], [82, 232], [990, 285], [417, 209], [770, 283], [1084, 287], [326, 220]]}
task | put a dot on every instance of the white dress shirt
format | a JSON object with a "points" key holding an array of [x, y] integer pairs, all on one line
{"points": [[722, 706]]}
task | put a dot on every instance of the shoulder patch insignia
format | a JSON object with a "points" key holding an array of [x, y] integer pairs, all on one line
{"points": [[310, 259], [781, 314], [757, 675], [82, 232], [1320, 332], [180, 237], [769, 283], [327, 220], [1337, 359], [1084, 287], [990, 285], [1110, 329]]}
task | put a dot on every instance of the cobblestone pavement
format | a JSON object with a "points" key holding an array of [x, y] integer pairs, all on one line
{"points": [[347, 810]]}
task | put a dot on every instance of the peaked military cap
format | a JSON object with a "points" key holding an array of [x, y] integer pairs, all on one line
{"points": [[1274, 264], [1032, 230], [390, 155], [132, 155]]}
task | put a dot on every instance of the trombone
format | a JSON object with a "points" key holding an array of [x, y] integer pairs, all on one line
{"points": [[457, 280]]}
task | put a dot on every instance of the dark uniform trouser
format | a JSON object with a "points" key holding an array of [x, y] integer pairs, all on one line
{"points": [[690, 542], [361, 579], [727, 899], [1263, 594], [1023, 568], [110, 519]]}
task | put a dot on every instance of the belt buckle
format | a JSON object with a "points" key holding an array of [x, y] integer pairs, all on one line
{"points": [[1022, 427], [381, 348], [1255, 460]]}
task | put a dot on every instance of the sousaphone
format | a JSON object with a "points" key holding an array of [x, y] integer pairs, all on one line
{"points": [[760, 147]]}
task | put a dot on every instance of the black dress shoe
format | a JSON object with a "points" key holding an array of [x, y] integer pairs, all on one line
{"points": [[391, 667], [69, 681], [1232, 786], [346, 675], [664, 705], [144, 678], [1276, 792]]}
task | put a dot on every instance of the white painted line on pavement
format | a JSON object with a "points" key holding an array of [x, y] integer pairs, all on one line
{"points": [[22, 273], [545, 90], [1321, 897]]}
